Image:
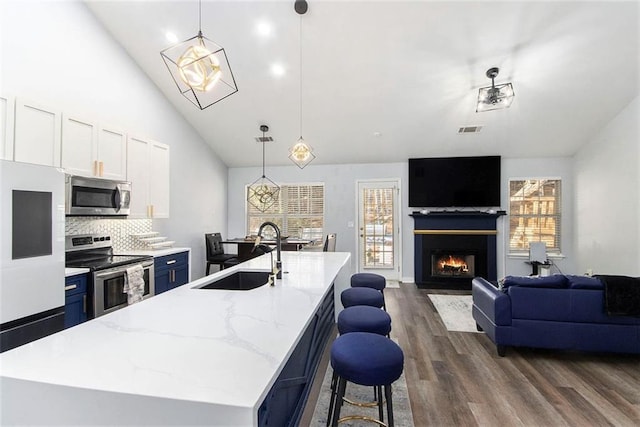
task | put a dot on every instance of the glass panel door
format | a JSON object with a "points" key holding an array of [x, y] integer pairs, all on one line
{"points": [[379, 228]]}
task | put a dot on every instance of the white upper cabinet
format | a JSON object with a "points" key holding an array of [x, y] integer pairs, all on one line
{"points": [[112, 152], [92, 150], [37, 134], [7, 108], [79, 146], [148, 171]]}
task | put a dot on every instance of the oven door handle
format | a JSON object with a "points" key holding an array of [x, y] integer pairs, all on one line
{"points": [[120, 271]]}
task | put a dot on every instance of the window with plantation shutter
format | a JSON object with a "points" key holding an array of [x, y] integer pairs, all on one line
{"points": [[534, 214], [298, 212]]}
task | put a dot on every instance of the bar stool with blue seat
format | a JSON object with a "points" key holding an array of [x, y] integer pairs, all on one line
{"points": [[369, 280], [364, 318], [361, 296], [366, 359]]}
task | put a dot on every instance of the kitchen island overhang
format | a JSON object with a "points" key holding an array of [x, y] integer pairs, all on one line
{"points": [[188, 356]]}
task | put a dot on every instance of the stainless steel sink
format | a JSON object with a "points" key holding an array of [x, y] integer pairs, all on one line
{"points": [[239, 281]]}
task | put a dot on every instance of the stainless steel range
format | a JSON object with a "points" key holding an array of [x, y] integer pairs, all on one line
{"points": [[108, 271]]}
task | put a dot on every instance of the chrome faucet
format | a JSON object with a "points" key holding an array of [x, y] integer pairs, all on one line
{"points": [[278, 245]]}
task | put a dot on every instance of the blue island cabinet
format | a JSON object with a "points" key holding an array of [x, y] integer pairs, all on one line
{"points": [[171, 271], [285, 402], [75, 300]]}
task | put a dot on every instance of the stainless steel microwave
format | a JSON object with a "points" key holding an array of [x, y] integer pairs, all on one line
{"points": [[96, 197]]}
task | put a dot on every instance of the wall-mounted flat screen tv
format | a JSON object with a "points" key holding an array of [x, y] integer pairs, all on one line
{"points": [[444, 182]]}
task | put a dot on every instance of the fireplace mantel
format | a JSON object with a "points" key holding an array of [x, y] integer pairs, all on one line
{"points": [[472, 231]]}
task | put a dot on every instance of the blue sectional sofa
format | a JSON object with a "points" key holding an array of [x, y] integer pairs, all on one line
{"points": [[556, 312]]}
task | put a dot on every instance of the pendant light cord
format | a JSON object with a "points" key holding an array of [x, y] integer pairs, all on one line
{"points": [[300, 76], [263, 175], [200, 16]]}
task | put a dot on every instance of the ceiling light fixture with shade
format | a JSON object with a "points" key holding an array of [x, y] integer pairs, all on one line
{"points": [[301, 153], [494, 97], [200, 69], [263, 192]]}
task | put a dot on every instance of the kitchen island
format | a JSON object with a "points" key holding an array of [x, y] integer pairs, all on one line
{"points": [[188, 356]]}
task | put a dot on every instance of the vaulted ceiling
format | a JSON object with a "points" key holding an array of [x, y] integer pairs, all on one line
{"points": [[383, 81]]}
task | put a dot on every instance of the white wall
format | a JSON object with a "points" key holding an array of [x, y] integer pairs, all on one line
{"points": [[58, 54], [607, 181], [341, 197]]}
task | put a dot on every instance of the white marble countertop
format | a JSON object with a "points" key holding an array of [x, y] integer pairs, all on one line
{"points": [[187, 356], [68, 272]]}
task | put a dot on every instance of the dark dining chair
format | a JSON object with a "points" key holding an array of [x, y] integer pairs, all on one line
{"points": [[330, 243], [215, 252]]}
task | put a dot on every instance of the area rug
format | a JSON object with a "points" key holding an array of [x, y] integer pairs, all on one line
{"points": [[402, 414], [455, 311], [394, 284]]}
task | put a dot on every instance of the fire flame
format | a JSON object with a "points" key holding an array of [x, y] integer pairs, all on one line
{"points": [[453, 262]]}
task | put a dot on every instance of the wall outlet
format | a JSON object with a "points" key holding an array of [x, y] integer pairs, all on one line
{"points": [[589, 272]]}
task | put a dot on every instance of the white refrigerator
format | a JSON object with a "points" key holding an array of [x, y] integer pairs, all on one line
{"points": [[31, 252]]}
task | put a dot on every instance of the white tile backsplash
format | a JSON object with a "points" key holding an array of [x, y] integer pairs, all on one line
{"points": [[120, 229]]}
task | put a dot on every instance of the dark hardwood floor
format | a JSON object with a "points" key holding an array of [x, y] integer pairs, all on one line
{"points": [[457, 378]]}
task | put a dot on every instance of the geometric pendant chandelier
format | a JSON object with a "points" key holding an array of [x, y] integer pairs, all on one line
{"points": [[263, 193], [200, 69], [494, 97], [301, 153]]}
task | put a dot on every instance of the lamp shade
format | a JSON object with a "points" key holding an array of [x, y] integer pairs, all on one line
{"points": [[263, 193], [301, 153], [495, 97], [201, 70]]}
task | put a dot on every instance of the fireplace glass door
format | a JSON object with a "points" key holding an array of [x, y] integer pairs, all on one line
{"points": [[448, 264]]}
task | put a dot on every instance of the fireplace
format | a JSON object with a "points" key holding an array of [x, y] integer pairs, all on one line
{"points": [[453, 248], [446, 263], [450, 259]]}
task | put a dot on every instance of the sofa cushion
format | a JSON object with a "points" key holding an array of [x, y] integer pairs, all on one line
{"points": [[540, 303], [584, 282], [553, 281]]}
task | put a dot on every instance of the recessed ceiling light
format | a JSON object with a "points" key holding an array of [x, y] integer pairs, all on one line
{"points": [[264, 28], [278, 70], [171, 37]]}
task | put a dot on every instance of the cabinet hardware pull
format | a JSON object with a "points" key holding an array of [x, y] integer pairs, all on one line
{"points": [[151, 211], [70, 287], [84, 303], [101, 168], [95, 168], [173, 261]]}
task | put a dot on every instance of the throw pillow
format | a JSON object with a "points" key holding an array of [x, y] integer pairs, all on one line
{"points": [[584, 282]]}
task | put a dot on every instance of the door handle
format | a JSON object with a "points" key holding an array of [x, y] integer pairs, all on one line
{"points": [[117, 199]]}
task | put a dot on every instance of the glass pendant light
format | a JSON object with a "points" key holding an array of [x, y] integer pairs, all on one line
{"points": [[263, 193], [301, 153], [200, 69]]}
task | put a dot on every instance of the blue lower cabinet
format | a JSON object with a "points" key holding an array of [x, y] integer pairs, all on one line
{"points": [[171, 271], [75, 300], [286, 400]]}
